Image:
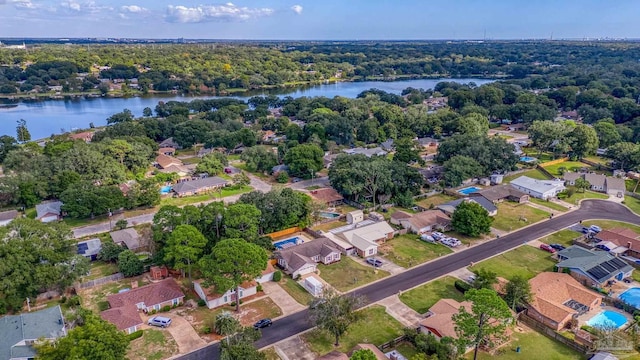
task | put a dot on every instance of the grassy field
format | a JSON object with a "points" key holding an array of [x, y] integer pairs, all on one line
{"points": [[408, 250], [188, 200], [153, 345], [423, 297], [562, 237], [549, 204], [260, 309], [577, 196], [376, 327], [526, 261], [633, 204], [348, 274], [329, 225], [271, 354], [100, 269], [534, 173], [532, 346], [512, 216], [406, 349], [567, 165], [295, 290], [608, 224], [598, 160], [435, 200]]}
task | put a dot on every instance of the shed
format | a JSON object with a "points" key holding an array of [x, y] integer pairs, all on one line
{"points": [[159, 272], [313, 286], [355, 217]]}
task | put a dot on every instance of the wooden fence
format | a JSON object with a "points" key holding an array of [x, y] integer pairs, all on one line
{"points": [[284, 232], [393, 343], [100, 281], [554, 162], [532, 323]]}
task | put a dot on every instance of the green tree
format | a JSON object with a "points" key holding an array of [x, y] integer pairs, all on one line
{"points": [[240, 346], [485, 279], [225, 324], [93, 338], [544, 134], [184, 247], [22, 133], [304, 160], [625, 154], [125, 115], [121, 224], [517, 292], [334, 313], [607, 133], [7, 144], [259, 159], [110, 251], [87, 200], [147, 112], [242, 221], [460, 168], [471, 219], [210, 164], [232, 262], [407, 150], [129, 264], [488, 319], [241, 179], [582, 184], [363, 354], [583, 140]]}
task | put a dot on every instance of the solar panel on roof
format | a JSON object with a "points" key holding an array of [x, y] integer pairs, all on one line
{"points": [[608, 266], [618, 263], [597, 272]]}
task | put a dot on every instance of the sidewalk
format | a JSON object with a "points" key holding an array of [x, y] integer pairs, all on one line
{"points": [[401, 312], [287, 304]]}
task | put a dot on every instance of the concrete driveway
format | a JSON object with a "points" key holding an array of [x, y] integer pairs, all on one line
{"points": [[387, 265], [294, 349], [401, 312], [184, 334], [279, 296]]}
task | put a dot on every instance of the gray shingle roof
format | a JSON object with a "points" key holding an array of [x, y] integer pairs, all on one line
{"points": [[299, 255], [8, 215], [49, 207], [486, 204], [539, 186], [595, 179], [129, 237], [599, 265], [47, 323], [198, 185], [499, 192]]}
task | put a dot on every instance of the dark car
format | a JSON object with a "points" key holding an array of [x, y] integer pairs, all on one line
{"points": [[262, 324], [557, 247], [547, 248], [374, 262]]}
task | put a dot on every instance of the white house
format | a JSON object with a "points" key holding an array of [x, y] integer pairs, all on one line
{"points": [[374, 233], [541, 189], [355, 216], [49, 211], [215, 299], [364, 248]]}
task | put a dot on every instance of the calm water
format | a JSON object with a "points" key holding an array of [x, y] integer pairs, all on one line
{"points": [[57, 116]]}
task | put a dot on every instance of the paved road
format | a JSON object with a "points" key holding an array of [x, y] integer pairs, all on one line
{"points": [[298, 322], [301, 185]]}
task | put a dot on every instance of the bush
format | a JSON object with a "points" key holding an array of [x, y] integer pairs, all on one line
{"points": [[589, 329], [74, 300], [103, 305], [134, 335], [282, 177], [206, 330], [232, 304], [63, 299], [152, 312], [201, 303], [277, 276], [165, 308], [462, 286], [259, 287]]}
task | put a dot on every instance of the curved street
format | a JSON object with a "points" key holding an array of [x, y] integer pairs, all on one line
{"points": [[298, 322]]}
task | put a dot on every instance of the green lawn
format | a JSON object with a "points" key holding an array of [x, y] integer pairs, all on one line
{"points": [[526, 261], [532, 345], [562, 237], [153, 345], [408, 250], [295, 290], [191, 160], [100, 269], [632, 203], [376, 327], [435, 200], [406, 349], [608, 224], [567, 165], [598, 160], [424, 296], [512, 216], [534, 173], [348, 274], [188, 200], [549, 204], [630, 184], [544, 156], [577, 196], [271, 354]]}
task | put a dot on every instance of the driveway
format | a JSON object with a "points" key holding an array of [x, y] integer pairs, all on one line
{"points": [[106, 226], [301, 185], [279, 296], [401, 312], [258, 183], [387, 265], [184, 334], [294, 349]]}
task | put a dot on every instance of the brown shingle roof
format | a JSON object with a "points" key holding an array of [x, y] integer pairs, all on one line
{"points": [[441, 314], [152, 294], [165, 161], [620, 237], [429, 218], [550, 290], [500, 192], [400, 215], [122, 317], [326, 195]]}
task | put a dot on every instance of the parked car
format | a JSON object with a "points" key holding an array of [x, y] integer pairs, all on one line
{"points": [[547, 248], [296, 179], [227, 170], [263, 323], [627, 280], [159, 321], [557, 247], [595, 228], [451, 242], [427, 238], [471, 278], [438, 236], [374, 262]]}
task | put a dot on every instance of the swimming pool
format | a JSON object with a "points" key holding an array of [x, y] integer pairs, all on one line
{"points": [[608, 319], [328, 215], [469, 190], [165, 189], [527, 159], [631, 297], [287, 243]]}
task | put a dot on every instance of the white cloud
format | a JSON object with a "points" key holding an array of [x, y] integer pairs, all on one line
{"points": [[135, 9], [24, 4], [82, 7], [209, 13], [297, 9]]}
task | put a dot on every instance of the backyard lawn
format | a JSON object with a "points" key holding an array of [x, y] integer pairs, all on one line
{"points": [[549, 204], [376, 327], [562, 237], [534, 173], [633, 204], [100, 269], [329, 226], [567, 165], [526, 261], [187, 200], [435, 200], [424, 296], [408, 250], [348, 274], [153, 345], [631, 184], [532, 345], [577, 196], [295, 290], [512, 216]]}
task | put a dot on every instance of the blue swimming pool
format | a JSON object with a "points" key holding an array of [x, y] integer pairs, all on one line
{"points": [[608, 319], [469, 190], [527, 159], [631, 297], [328, 215], [287, 243], [165, 189]]}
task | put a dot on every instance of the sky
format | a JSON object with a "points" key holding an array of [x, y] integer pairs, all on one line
{"points": [[321, 19]]}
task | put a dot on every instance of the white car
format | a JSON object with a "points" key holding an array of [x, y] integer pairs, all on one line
{"points": [[595, 228], [451, 242], [427, 238], [438, 236]]}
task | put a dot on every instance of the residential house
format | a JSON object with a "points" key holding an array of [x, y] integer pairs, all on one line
{"points": [[128, 237], [199, 186], [615, 186], [170, 143], [426, 221], [49, 211], [597, 181], [164, 161], [363, 247], [90, 248], [169, 151], [124, 306], [499, 193], [302, 259], [85, 136], [375, 233], [387, 145], [620, 241], [268, 135], [327, 196], [435, 103], [570, 177], [450, 207], [516, 127], [428, 142], [345, 247], [19, 332], [556, 298], [214, 298], [377, 151], [439, 318], [571, 115], [541, 189], [204, 151], [432, 173], [397, 217], [592, 267], [7, 216]]}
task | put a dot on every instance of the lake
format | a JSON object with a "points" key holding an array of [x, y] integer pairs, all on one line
{"points": [[57, 116]]}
